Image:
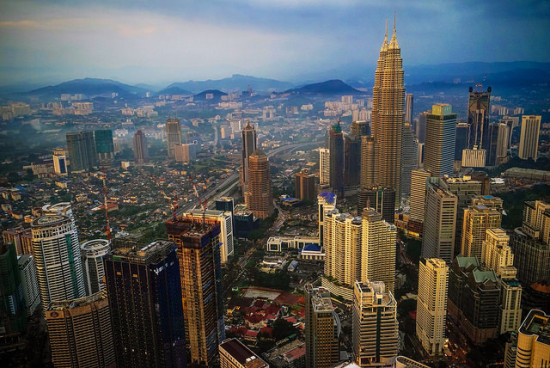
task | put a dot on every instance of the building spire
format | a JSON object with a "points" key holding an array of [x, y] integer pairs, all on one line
{"points": [[393, 42], [385, 44]]}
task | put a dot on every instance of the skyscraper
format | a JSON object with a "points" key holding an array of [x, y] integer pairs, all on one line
{"points": [[27, 272], [82, 152], [439, 225], [57, 259], [381, 199], [409, 108], [324, 166], [374, 324], [409, 152], [60, 161], [80, 332], [173, 136], [201, 290], [368, 162], [93, 252], [377, 249], [304, 186], [502, 145], [321, 330], [418, 194], [141, 152], [248, 142], [431, 306], [352, 160], [461, 141], [336, 150], [529, 139], [258, 196], [143, 285], [484, 213], [104, 146], [225, 220], [440, 140], [420, 128], [388, 114], [478, 117]]}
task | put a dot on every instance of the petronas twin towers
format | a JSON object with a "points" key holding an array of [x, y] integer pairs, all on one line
{"points": [[388, 110]]}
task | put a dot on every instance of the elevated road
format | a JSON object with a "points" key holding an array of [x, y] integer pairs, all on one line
{"points": [[232, 180]]}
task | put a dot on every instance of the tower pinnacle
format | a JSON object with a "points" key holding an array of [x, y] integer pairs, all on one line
{"points": [[393, 42]]}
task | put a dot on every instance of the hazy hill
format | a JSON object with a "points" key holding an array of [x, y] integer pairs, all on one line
{"points": [[217, 94], [90, 87], [235, 83], [330, 87]]}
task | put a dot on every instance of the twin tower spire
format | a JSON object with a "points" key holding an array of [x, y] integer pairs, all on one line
{"points": [[393, 43]]}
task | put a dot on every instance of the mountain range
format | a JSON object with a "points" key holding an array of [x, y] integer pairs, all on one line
{"points": [[505, 75]]}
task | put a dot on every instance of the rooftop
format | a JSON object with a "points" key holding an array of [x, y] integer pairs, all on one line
{"points": [[537, 323], [242, 354]]}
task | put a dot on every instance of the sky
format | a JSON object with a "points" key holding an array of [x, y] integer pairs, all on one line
{"points": [[162, 41]]}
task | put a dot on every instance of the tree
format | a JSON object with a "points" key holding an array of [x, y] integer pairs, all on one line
{"points": [[282, 328]]}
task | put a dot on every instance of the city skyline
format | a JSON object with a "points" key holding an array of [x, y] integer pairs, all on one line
{"points": [[172, 41]]}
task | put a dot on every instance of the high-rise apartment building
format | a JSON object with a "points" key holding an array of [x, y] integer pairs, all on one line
{"points": [[258, 196], [439, 225], [409, 156], [82, 150], [529, 138], [185, 152], [474, 297], [235, 354], [497, 256], [502, 144], [324, 166], [378, 249], [304, 186], [225, 220], [57, 258], [336, 151], [141, 152], [248, 141], [173, 136], [93, 252], [531, 243], [201, 289], [388, 114], [143, 284], [104, 146], [321, 330], [374, 324], [533, 349], [27, 272], [440, 140], [342, 244], [381, 199], [80, 332], [431, 306], [326, 201], [484, 213]]}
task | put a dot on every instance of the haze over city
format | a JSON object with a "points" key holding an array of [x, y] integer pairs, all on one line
{"points": [[165, 41]]}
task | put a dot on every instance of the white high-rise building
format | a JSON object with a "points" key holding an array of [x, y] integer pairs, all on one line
{"points": [[225, 219], [92, 253], [27, 271], [374, 324], [529, 138], [326, 201], [377, 260], [431, 306], [57, 258], [324, 166], [418, 194]]}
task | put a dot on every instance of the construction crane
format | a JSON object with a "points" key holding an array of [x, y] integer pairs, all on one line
{"points": [[174, 203], [203, 204], [107, 222]]}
